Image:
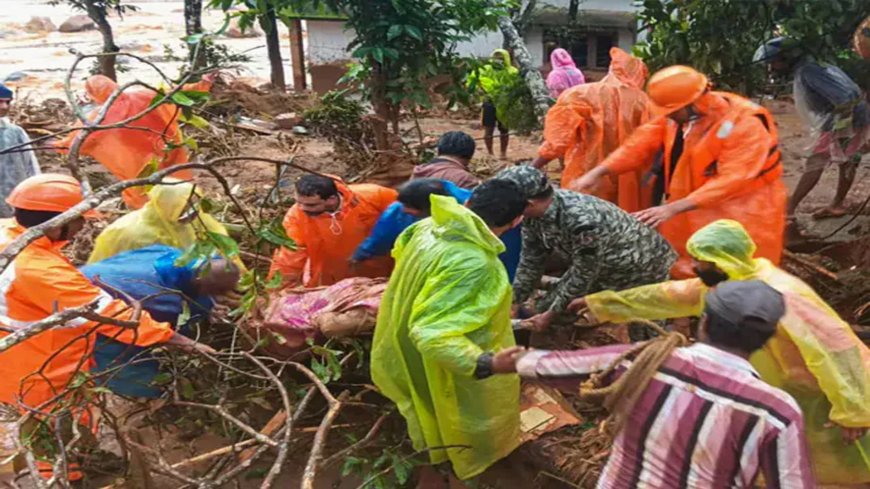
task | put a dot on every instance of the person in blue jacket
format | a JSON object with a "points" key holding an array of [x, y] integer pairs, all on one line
{"points": [[413, 205], [150, 275]]}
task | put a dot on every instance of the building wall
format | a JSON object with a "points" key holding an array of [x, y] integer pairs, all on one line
{"points": [[327, 42]]}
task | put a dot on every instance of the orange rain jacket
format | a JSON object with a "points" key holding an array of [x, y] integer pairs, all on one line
{"points": [[38, 282], [126, 152], [590, 121], [729, 169], [326, 243]]}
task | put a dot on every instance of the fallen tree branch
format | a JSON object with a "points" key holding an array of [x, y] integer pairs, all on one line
{"points": [[370, 436]]}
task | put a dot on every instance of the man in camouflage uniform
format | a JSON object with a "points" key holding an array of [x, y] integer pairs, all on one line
{"points": [[607, 247]]}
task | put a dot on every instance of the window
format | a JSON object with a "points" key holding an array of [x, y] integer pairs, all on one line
{"points": [[577, 45], [602, 49]]}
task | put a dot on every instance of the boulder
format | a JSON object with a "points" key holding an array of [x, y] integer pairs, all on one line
{"points": [[38, 25], [77, 23], [287, 120]]}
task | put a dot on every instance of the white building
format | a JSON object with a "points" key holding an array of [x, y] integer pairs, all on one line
{"points": [[600, 25]]}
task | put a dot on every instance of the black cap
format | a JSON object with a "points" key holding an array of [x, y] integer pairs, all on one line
{"points": [[737, 300]]}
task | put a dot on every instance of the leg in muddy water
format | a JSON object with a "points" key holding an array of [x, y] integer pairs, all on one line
{"points": [[488, 133], [845, 180], [504, 138], [809, 179]]}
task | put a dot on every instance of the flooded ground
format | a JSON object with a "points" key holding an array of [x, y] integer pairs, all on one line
{"points": [[39, 62]]}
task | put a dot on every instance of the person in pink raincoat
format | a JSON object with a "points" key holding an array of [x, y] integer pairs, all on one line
{"points": [[564, 74]]}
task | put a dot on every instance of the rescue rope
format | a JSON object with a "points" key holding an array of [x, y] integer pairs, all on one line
{"points": [[620, 397]]}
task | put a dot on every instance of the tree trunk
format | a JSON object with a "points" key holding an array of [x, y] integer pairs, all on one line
{"points": [[269, 23], [523, 17], [97, 13], [192, 26], [381, 106], [297, 55], [533, 77]]}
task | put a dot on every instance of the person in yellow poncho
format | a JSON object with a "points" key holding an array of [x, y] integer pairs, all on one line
{"points": [[446, 309], [170, 217], [814, 355], [491, 78]]}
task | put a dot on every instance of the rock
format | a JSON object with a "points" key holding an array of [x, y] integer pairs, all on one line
{"points": [[77, 23], [15, 76], [39, 25], [287, 120], [300, 130], [234, 31]]}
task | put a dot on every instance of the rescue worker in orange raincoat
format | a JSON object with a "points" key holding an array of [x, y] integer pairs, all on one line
{"points": [[328, 222], [721, 161], [38, 371], [127, 152], [590, 121]]}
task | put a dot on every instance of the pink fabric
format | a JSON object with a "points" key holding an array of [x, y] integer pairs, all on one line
{"points": [[564, 74], [293, 314]]}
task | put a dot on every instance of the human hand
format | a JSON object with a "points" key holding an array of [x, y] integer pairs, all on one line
{"points": [[585, 184], [581, 308], [505, 361], [229, 300], [577, 305], [539, 323], [850, 435], [655, 216], [515, 311]]}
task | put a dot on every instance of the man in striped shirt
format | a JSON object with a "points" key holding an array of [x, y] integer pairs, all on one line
{"points": [[705, 420]]}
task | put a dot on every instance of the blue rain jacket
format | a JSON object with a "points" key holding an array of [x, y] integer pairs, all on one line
{"points": [[141, 273], [394, 220]]}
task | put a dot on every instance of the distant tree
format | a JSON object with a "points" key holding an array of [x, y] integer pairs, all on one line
{"points": [[192, 27], [720, 37], [98, 11], [265, 13]]}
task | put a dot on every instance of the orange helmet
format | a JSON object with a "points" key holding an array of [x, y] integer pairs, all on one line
{"points": [[672, 88], [50, 192]]}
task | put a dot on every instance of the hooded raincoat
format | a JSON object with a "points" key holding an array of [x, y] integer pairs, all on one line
{"points": [[447, 303], [126, 152], [326, 243], [39, 282], [156, 223], [564, 73], [814, 355], [493, 78], [726, 163], [590, 121]]}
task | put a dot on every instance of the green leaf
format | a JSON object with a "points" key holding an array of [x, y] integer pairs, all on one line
{"points": [[226, 245], [187, 390], [194, 120], [275, 234], [181, 99], [193, 38], [394, 32], [275, 282], [414, 32], [157, 100], [403, 470], [162, 378]]}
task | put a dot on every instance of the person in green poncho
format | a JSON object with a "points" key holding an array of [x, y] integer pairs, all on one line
{"points": [[445, 311], [495, 75]]}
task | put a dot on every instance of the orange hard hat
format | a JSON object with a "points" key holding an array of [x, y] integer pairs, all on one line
{"points": [[672, 88], [51, 192]]}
